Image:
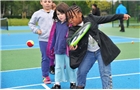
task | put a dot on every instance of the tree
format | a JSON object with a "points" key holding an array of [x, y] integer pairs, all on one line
{"points": [[5, 7], [104, 5], [81, 4], [18, 8]]}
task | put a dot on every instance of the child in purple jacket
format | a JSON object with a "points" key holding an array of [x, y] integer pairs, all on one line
{"points": [[57, 42]]}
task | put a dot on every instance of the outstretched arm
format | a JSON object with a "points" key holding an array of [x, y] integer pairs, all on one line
{"points": [[109, 18]]}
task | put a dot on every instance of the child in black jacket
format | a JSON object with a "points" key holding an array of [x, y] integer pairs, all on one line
{"points": [[95, 45]]}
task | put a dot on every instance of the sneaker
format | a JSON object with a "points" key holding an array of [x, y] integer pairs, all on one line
{"points": [[122, 31], [56, 87], [72, 85], [52, 69], [46, 80]]}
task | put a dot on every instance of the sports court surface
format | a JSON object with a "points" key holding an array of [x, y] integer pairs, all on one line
{"points": [[16, 74]]}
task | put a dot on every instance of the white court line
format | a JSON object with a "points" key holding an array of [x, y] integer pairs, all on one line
{"points": [[133, 59], [21, 69], [38, 46], [124, 37], [118, 75], [46, 87], [123, 60], [35, 47], [24, 86], [118, 37]]}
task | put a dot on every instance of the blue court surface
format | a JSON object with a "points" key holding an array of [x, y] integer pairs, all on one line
{"points": [[125, 73], [18, 40]]}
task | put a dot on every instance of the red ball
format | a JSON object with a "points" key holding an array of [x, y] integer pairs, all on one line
{"points": [[30, 43]]}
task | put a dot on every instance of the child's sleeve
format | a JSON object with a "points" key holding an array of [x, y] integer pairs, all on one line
{"points": [[71, 32], [106, 19], [50, 46], [33, 23]]}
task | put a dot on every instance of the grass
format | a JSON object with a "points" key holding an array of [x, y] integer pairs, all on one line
{"points": [[14, 31], [129, 50], [29, 58], [129, 32], [19, 59]]}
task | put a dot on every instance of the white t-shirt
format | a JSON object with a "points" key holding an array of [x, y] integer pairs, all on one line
{"points": [[92, 44]]}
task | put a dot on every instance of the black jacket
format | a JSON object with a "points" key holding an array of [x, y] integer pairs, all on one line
{"points": [[96, 12], [109, 50]]}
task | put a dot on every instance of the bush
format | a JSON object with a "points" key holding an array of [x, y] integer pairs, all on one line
{"points": [[18, 22], [18, 17]]}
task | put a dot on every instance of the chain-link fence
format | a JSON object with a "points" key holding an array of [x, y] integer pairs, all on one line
{"points": [[133, 8]]}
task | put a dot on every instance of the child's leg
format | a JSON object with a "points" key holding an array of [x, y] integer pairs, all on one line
{"points": [[105, 73], [122, 25], [59, 68], [84, 68], [45, 60], [71, 73], [52, 66]]}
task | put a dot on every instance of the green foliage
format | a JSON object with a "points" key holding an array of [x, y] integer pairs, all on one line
{"points": [[80, 3], [18, 22], [104, 5], [16, 8]]}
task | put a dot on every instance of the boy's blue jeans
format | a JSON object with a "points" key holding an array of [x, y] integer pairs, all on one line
{"points": [[86, 65]]}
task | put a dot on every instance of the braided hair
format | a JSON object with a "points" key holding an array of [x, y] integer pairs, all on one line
{"points": [[72, 10]]}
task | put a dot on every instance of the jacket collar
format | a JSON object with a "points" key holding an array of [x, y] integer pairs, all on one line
{"points": [[81, 24]]}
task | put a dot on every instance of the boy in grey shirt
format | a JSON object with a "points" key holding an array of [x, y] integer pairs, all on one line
{"points": [[43, 18]]}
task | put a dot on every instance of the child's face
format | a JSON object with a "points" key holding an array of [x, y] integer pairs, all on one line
{"points": [[61, 16], [46, 4], [53, 6], [74, 18], [93, 7]]}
